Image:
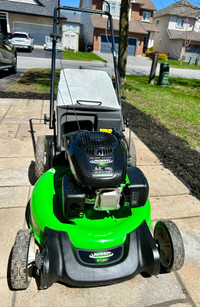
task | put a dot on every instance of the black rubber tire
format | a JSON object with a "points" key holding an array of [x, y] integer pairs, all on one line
{"points": [[41, 157], [22, 259], [170, 245]]}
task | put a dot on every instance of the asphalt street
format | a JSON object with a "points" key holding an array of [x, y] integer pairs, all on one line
{"points": [[135, 65], [36, 53]]}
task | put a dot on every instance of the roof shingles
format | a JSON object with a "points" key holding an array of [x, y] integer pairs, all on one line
{"points": [[189, 35], [181, 8], [41, 7]]}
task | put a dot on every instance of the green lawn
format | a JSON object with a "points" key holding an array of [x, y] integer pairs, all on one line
{"points": [[81, 56], [184, 65], [36, 81], [177, 107]]}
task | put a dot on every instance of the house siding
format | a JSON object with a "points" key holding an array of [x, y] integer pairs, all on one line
{"points": [[188, 25], [162, 35], [175, 49], [136, 12], [96, 5], [197, 26]]}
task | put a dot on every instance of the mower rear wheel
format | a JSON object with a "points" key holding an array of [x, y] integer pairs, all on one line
{"points": [[170, 245], [22, 259], [41, 157]]}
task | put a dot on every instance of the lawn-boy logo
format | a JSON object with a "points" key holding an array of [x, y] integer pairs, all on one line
{"points": [[101, 256]]}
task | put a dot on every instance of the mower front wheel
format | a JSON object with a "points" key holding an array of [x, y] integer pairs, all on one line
{"points": [[22, 259], [41, 157], [170, 245]]}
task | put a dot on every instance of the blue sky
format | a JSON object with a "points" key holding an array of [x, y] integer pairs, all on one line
{"points": [[160, 4]]}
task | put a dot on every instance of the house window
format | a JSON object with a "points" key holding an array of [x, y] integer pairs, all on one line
{"points": [[146, 16], [119, 9], [113, 8], [75, 28], [180, 22], [67, 27], [72, 27], [157, 22], [106, 7]]}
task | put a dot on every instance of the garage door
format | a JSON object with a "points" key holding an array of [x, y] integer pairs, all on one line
{"points": [[106, 44], [192, 51], [37, 31]]}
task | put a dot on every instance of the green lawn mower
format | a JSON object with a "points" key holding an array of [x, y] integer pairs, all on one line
{"points": [[90, 216]]}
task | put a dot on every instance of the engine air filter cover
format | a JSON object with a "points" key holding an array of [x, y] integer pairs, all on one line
{"points": [[98, 159]]}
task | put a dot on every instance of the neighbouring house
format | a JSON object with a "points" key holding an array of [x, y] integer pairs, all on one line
{"points": [[141, 29], [178, 30], [71, 31], [32, 16]]}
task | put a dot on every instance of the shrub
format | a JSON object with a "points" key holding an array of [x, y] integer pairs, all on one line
{"points": [[147, 52], [152, 49], [150, 54], [163, 57]]}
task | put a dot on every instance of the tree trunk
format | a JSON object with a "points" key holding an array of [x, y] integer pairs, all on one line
{"points": [[123, 39]]}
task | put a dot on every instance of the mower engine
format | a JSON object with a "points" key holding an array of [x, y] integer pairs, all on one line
{"points": [[98, 161], [99, 173]]}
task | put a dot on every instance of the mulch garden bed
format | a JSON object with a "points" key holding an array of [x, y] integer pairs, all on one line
{"points": [[174, 153]]}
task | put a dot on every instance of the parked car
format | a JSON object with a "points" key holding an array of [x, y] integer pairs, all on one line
{"points": [[22, 40], [8, 55], [48, 44]]}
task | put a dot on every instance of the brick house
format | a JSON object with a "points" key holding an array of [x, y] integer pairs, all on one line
{"points": [[141, 29]]}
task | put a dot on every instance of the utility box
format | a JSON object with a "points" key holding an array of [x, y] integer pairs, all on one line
{"points": [[164, 74], [190, 61]]}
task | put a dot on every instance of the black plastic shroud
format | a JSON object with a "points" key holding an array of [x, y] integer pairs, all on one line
{"points": [[61, 262]]}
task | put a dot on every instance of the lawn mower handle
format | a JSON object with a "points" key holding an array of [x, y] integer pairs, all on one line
{"points": [[54, 36]]}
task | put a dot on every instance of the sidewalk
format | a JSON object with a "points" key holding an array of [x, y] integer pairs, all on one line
{"points": [[170, 199]]}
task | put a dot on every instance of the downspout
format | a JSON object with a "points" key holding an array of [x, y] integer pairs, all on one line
{"points": [[8, 23]]}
